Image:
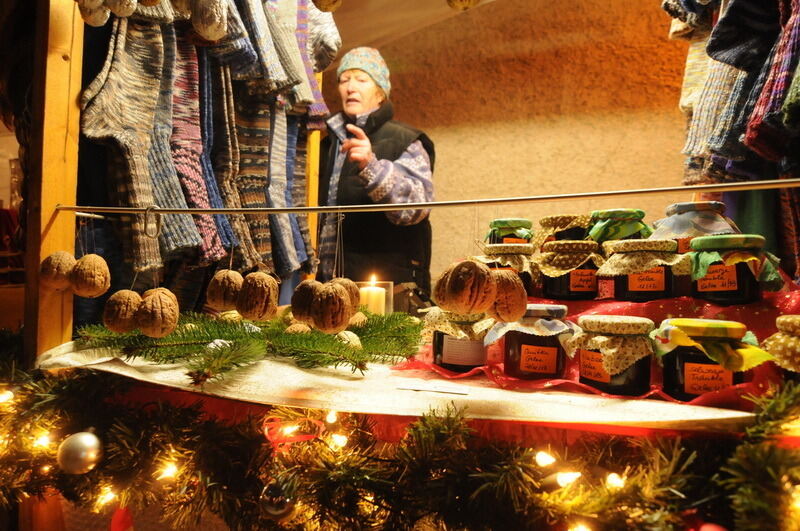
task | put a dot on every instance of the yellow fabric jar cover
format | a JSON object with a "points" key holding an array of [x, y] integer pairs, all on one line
{"points": [[471, 326], [622, 340], [784, 345], [627, 257], [560, 257], [552, 224]]}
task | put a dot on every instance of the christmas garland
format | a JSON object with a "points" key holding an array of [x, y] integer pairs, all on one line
{"points": [[309, 469]]}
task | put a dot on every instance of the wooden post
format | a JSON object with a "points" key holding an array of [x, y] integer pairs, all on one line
{"points": [[312, 176], [54, 168]]}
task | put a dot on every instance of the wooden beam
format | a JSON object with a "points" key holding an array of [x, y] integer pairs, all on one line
{"points": [[312, 176], [54, 168]]}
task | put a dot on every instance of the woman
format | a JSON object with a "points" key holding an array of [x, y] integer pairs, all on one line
{"points": [[368, 157]]}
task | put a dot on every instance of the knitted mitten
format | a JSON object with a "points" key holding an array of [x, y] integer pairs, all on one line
{"points": [[179, 235], [324, 40], [745, 33], [119, 107], [225, 159], [234, 48], [186, 147], [210, 18]]}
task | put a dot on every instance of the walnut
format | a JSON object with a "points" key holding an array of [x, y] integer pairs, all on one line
{"points": [[303, 298], [350, 339], [231, 315], [55, 271], [330, 310], [223, 290], [357, 320], [120, 311], [511, 300], [90, 277], [157, 315], [352, 290], [298, 328], [328, 6], [165, 291], [258, 298], [466, 288]]}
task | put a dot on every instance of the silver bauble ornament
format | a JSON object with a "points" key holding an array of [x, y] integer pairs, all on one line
{"points": [[275, 505], [79, 453]]}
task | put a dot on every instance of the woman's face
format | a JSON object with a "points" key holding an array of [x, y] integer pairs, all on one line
{"points": [[359, 92]]}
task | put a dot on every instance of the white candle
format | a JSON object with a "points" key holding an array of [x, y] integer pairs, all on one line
{"points": [[373, 297]]}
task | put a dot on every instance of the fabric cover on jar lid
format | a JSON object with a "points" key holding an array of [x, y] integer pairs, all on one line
{"points": [[615, 324], [627, 246], [695, 206], [727, 241], [551, 311], [788, 324], [708, 327], [571, 246], [632, 214], [784, 345]]}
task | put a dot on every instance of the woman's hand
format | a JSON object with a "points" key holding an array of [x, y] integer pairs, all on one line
{"points": [[359, 149]]}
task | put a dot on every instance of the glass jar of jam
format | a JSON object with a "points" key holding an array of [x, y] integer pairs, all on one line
{"points": [[533, 348], [614, 353], [722, 282], [686, 221], [784, 345], [688, 371], [569, 269], [456, 354], [564, 227], [642, 269], [510, 230], [618, 224]]}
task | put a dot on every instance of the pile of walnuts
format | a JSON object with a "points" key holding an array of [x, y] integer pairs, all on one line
{"points": [[87, 277], [255, 296], [470, 287], [330, 307]]}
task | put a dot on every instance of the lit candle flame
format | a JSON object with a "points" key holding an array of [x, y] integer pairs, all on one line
{"points": [[544, 459], [567, 478], [373, 280]]}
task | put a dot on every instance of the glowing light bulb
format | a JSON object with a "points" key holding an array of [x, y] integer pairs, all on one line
{"points": [[106, 495], [289, 430], [544, 459], [169, 471], [6, 396], [42, 440], [580, 527], [796, 498], [45, 469], [614, 481], [332, 417], [338, 441], [567, 478]]}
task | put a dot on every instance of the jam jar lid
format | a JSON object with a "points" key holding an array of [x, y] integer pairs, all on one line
{"points": [[616, 324], [708, 327], [510, 223], [618, 213], [554, 311], [564, 220], [571, 246], [627, 246], [788, 324], [696, 206], [727, 241]]}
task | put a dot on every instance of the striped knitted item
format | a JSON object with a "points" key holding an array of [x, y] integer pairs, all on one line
{"points": [[285, 14], [268, 67], [324, 40], [745, 33], [252, 134], [161, 13], [234, 48], [178, 232], [317, 111], [695, 71], [118, 107], [187, 147], [283, 246], [791, 107], [225, 158], [765, 133], [719, 143], [207, 135], [299, 196]]}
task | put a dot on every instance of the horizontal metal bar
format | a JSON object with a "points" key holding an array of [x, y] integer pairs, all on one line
{"points": [[731, 187]]}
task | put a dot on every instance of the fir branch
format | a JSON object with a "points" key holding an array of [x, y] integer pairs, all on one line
{"points": [[220, 357], [775, 408]]}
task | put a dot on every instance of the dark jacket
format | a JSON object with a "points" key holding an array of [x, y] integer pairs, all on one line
{"points": [[371, 243]]}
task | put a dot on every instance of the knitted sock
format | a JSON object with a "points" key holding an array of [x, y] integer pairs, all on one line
{"points": [[234, 48], [252, 134], [268, 67], [285, 16], [207, 136], [296, 171], [178, 232], [225, 158], [695, 72], [283, 248], [210, 18], [119, 107], [282, 71], [791, 106], [724, 141], [324, 40], [187, 146], [317, 111], [744, 35], [161, 12]]}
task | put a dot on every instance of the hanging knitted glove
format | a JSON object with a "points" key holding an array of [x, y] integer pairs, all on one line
{"points": [[121, 8], [94, 16], [744, 35], [210, 18]]}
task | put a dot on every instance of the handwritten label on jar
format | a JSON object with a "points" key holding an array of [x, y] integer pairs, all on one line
{"points": [[583, 280], [701, 378], [592, 366], [650, 280], [515, 240], [683, 245], [463, 351], [719, 278], [538, 359]]}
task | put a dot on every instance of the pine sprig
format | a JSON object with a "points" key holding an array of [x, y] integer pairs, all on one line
{"points": [[220, 357], [774, 409]]}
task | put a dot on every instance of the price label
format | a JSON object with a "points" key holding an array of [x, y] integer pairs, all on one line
{"points": [[583, 280], [650, 280], [514, 240], [701, 378], [592, 366], [463, 351], [538, 359], [683, 245], [719, 278]]}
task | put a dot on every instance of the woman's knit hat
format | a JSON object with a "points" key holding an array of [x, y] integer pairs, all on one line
{"points": [[370, 61]]}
